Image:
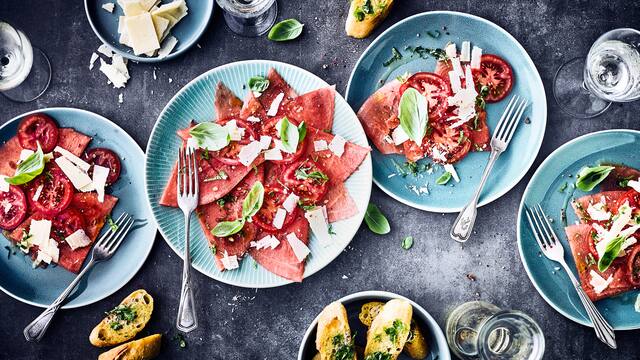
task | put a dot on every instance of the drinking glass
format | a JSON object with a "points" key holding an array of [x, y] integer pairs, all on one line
{"points": [[249, 17], [586, 87], [25, 71], [480, 330]]}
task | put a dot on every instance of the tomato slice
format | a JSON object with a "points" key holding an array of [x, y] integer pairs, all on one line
{"points": [[269, 128], [434, 87], [66, 223], [453, 143], [13, 208], [632, 197], [496, 74], [633, 265], [443, 68], [274, 196], [56, 193], [38, 128], [308, 180], [229, 154], [104, 157]]}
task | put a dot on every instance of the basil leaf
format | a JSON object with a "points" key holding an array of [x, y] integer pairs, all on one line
{"points": [[253, 202], [590, 177], [28, 169], [376, 221], [444, 178], [302, 132], [210, 136], [258, 84], [228, 228], [413, 112], [285, 30], [407, 242], [289, 135], [611, 252], [302, 173]]}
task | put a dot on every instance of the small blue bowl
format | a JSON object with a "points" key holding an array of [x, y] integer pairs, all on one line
{"points": [[187, 31]]}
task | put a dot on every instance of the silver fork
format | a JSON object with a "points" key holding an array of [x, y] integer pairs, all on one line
{"points": [[188, 195], [103, 249], [462, 227], [553, 250]]}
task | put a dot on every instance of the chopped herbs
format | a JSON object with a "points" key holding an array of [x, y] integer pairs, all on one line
{"points": [[378, 355], [425, 53], [204, 154], [214, 249], [590, 260], [624, 182], [434, 34], [220, 176], [407, 242], [444, 178], [365, 9], [376, 221], [343, 350], [563, 187], [179, 338], [413, 168], [394, 331], [121, 314], [395, 56], [226, 199], [258, 84], [112, 225], [480, 99], [331, 231], [303, 173]]}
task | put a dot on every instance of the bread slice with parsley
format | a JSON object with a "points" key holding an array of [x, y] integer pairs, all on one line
{"points": [[389, 330], [333, 335], [365, 15], [144, 349], [124, 321]]}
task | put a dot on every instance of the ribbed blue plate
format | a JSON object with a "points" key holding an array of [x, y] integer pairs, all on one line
{"points": [[195, 102], [611, 146], [511, 166], [40, 287]]}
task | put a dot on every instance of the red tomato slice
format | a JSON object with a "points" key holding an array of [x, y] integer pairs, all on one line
{"points": [[631, 196], [454, 144], [269, 128], [38, 128], [274, 196], [495, 73], [56, 193], [308, 180], [13, 208], [633, 265], [443, 68], [65, 224], [434, 87], [104, 157], [229, 154]]}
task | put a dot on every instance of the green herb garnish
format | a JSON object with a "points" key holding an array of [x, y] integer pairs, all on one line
{"points": [[611, 252], [204, 154], [28, 169], [376, 221], [250, 206], [424, 53], [343, 350], [407, 242], [378, 355], [285, 30], [179, 338], [394, 331], [214, 249], [258, 84], [413, 114], [444, 178], [290, 134], [563, 187], [303, 173], [121, 313], [590, 177], [434, 34], [112, 225], [210, 136], [395, 56], [624, 182]]}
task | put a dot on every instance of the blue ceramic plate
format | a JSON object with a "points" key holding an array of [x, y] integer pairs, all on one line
{"points": [[511, 166], [438, 348], [612, 146], [40, 287], [187, 31], [195, 102]]}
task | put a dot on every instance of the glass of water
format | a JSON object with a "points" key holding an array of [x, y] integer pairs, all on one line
{"points": [[480, 330], [249, 17], [25, 71], [586, 87]]}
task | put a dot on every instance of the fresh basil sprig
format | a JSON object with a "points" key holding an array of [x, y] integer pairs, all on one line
{"points": [[611, 252], [210, 136], [29, 168], [258, 84], [285, 30], [250, 206], [376, 221], [590, 177], [290, 135], [413, 114]]}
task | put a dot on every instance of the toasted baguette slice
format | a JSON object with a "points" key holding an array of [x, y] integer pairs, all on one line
{"points": [[333, 333], [144, 349], [362, 19], [125, 321], [389, 329]]}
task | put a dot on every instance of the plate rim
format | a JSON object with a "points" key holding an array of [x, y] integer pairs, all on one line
{"points": [[125, 280], [255, 285], [487, 199], [441, 339], [519, 226], [155, 59]]}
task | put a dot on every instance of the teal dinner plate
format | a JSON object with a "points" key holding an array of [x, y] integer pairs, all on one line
{"points": [[40, 287], [511, 166], [545, 187], [187, 31], [195, 102]]}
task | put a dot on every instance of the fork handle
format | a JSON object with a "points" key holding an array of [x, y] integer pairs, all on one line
{"points": [[187, 320], [462, 227], [604, 331], [36, 329]]}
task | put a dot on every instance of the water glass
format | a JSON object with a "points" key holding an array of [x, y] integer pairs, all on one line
{"points": [[249, 17]]}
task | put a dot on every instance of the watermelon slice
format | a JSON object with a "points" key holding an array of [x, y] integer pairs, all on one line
{"points": [[277, 85], [315, 108], [581, 204], [378, 116], [339, 203], [619, 173], [226, 103]]}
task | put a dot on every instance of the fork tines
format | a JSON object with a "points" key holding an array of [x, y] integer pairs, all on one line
{"points": [[510, 118], [111, 240], [187, 172], [541, 227]]}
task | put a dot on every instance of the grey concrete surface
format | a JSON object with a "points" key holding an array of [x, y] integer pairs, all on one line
{"points": [[269, 324]]}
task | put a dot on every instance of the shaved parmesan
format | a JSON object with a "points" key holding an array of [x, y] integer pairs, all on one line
{"points": [[79, 178], [265, 140], [299, 248], [71, 157], [598, 211], [142, 33], [235, 133], [100, 174], [634, 184], [451, 50], [78, 239], [465, 52], [598, 282], [319, 224], [290, 202], [120, 64], [268, 241], [109, 7], [253, 119], [43, 257], [320, 145], [94, 57], [468, 79], [105, 50], [454, 79], [278, 219], [39, 232], [249, 153], [273, 154], [476, 57], [451, 170], [457, 67], [116, 78], [4, 185], [229, 262], [275, 105], [337, 145], [167, 47], [6, 205], [399, 136], [36, 195]]}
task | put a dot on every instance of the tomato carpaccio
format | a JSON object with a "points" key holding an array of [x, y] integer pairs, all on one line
{"points": [[274, 197], [13, 208], [496, 74], [434, 87], [51, 192], [308, 180], [229, 154], [37, 129], [105, 158]]}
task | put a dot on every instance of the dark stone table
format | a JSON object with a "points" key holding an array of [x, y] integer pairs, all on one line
{"points": [[269, 324]]}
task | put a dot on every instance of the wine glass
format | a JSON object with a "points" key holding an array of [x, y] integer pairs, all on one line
{"points": [[249, 17], [586, 87], [25, 71]]}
